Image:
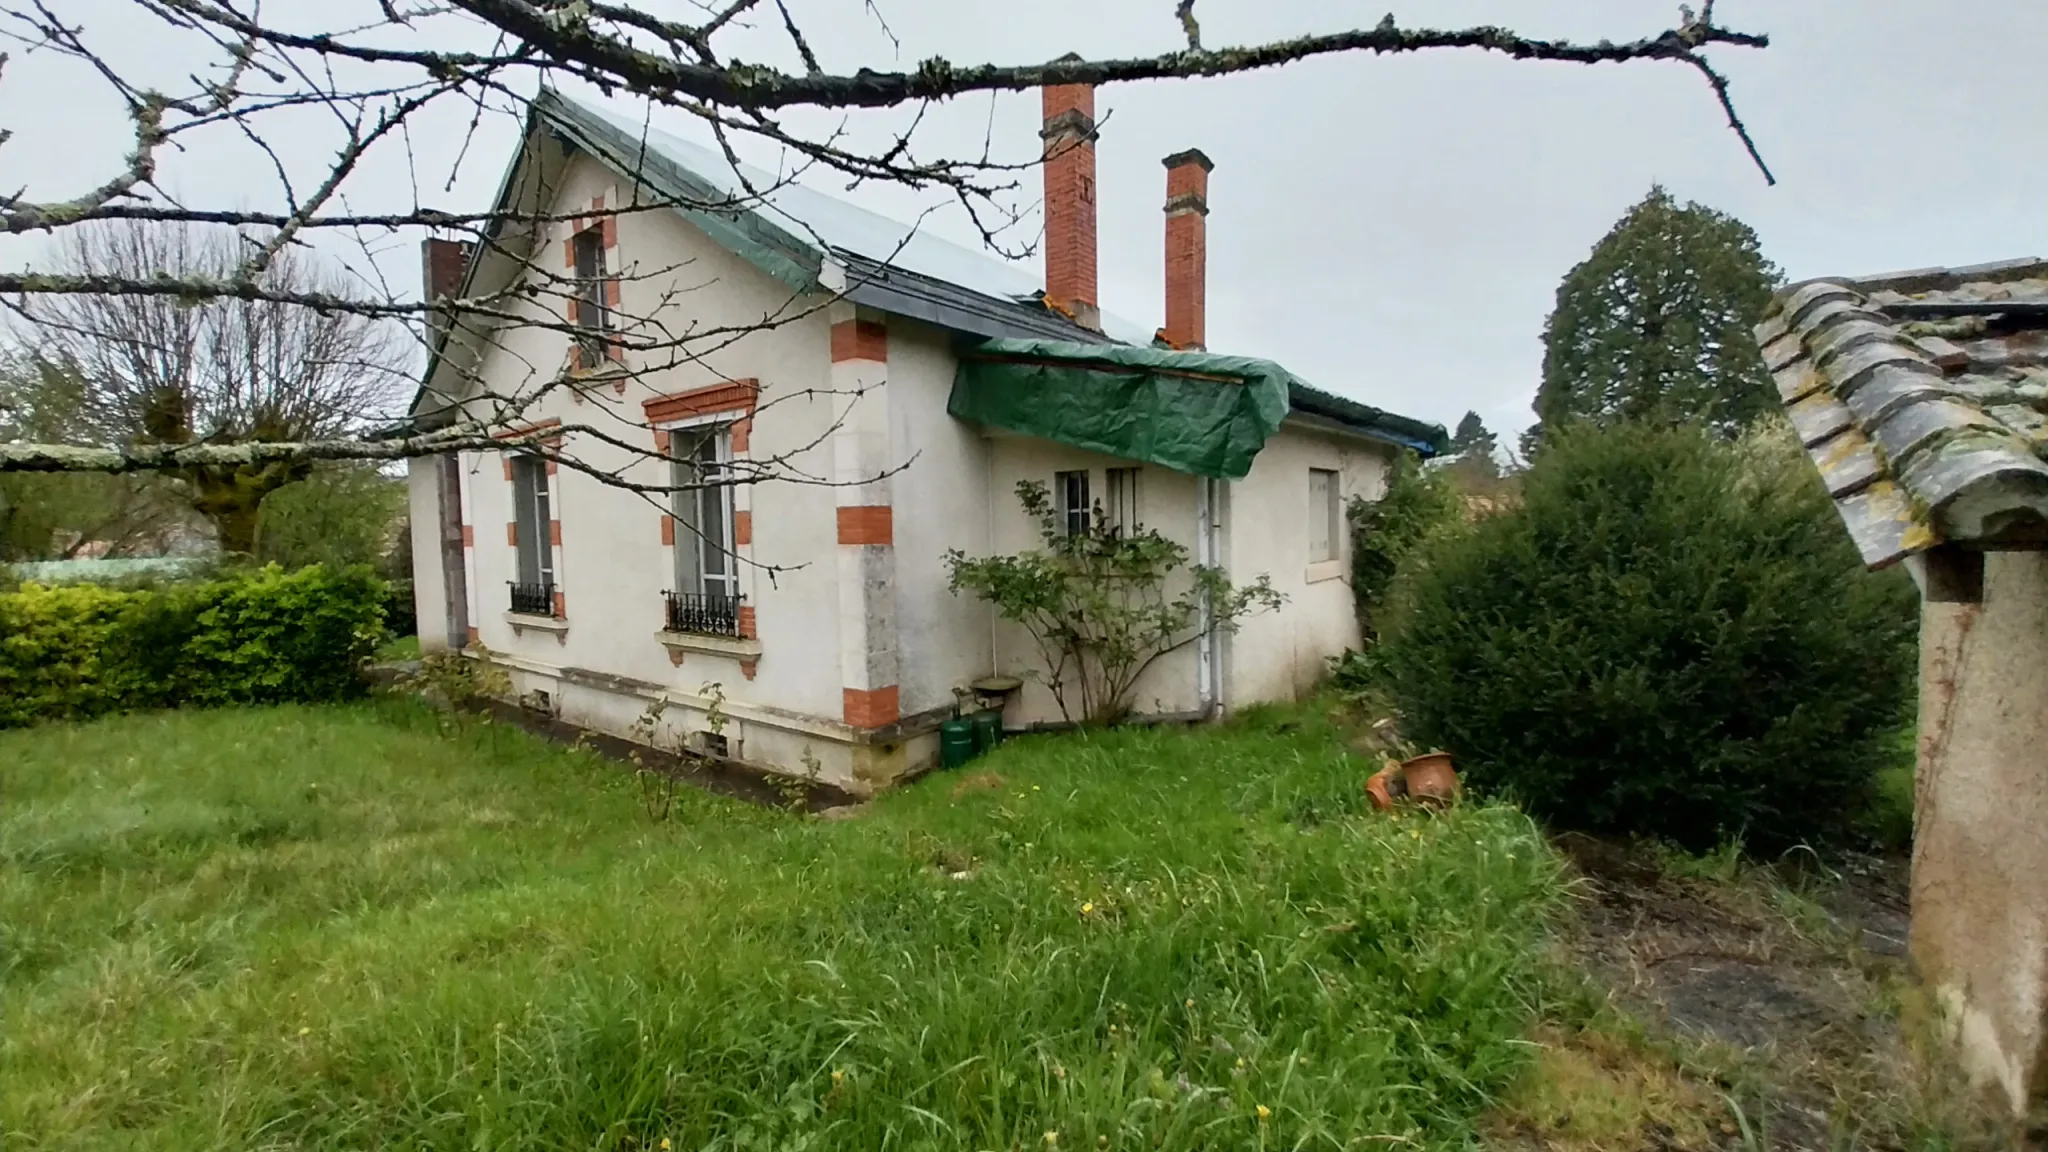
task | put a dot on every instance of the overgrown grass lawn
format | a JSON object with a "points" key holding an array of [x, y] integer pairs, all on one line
{"points": [[374, 927]]}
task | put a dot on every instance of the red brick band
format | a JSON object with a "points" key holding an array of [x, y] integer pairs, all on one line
{"points": [[733, 396], [859, 340], [867, 524], [871, 708]]}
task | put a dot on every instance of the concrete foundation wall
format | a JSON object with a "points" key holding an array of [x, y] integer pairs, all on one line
{"points": [[762, 737], [1980, 845]]}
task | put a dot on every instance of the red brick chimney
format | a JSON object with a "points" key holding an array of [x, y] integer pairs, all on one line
{"points": [[1187, 249], [441, 266], [1069, 136]]}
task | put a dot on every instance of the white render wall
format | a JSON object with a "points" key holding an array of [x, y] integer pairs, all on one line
{"points": [[1280, 655], [1166, 502], [611, 566], [942, 502], [957, 491], [429, 590]]}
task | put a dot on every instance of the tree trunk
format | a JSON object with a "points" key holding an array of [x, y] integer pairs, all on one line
{"points": [[231, 499], [235, 528]]}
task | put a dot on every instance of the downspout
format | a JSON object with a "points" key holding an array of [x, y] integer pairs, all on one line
{"points": [[1207, 684]]}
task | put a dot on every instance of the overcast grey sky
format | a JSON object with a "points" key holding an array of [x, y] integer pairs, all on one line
{"points": [[1390, 228]]}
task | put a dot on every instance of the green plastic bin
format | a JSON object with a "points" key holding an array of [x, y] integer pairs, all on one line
{"points": [[956, 742], [988, 731]]}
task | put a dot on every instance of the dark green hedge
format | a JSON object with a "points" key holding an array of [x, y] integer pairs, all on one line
{"points": [[1668, 636], [266, 637]]}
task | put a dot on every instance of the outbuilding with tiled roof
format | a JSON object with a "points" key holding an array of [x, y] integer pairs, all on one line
{"points": [[1922, 399]]}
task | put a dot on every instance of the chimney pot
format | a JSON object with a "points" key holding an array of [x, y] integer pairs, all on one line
{"points": [[1068, 135], [1187, 249]]}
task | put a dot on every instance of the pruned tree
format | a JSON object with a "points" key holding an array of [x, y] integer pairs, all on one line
{"points": [[1656, 324], [347, 80], [223, 371]]}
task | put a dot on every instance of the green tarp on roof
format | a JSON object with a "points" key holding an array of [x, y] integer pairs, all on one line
{"points": [[1190, 411]]}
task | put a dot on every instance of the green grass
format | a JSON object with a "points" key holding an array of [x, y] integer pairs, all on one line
{"points": [[374, 927], [399, 648], [1891, 819]]}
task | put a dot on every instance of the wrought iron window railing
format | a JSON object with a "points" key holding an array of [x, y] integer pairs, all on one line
{"points": [[533, 599], [709, 613]]}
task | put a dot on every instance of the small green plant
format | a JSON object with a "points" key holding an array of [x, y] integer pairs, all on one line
{"points": [[796, 790], [1668, 636], [657, 785], [1103, 604], [714, 712], [463, 679]]}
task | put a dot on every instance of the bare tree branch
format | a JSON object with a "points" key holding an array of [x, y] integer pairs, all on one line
{"points": [[358, 85]]}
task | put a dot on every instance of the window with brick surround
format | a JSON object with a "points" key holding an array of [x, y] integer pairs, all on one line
{"points": [[590, 315], [1325, 515], [1070, 489]]}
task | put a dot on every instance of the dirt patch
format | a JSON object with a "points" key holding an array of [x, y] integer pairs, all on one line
{"points": [[1779, 997]]}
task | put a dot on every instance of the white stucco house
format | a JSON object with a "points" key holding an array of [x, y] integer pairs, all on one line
{"points": [[815, 616]]}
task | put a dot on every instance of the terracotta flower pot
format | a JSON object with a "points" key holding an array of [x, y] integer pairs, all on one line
{"points": [[1386, 786], [1430, 778]]}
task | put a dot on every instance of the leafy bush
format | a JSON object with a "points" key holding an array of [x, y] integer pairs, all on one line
{"points": [[1416, 503], [338, 516], [400, 618], [1668, 636], [261, 638], [1098, 605]]}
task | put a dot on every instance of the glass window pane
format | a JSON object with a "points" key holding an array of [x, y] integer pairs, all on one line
{"points": [[1121, 502], [1071, 490], [525, 525], [688, 573], [543, 518]]}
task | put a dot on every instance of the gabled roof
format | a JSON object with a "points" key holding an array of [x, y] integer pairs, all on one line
{"points": [[810, 241], [1922, 397], [789, 231]]}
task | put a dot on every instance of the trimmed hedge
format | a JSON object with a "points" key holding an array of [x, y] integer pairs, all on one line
{"points": [[1669, 637], [267, 637]]}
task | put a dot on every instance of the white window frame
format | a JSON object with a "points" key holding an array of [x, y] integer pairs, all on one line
{"points": [[593, 317], [691, 575], [1123, 499], [1326, 506], [533, 502], [1073, 521]]}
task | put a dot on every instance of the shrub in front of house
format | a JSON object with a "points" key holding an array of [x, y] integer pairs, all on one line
{"points": [[263, 637], [1384, 532], [1669, 636]]}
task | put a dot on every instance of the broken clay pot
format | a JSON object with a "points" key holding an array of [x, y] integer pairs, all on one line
{"points": [[1430, 778], [1386, 786]]}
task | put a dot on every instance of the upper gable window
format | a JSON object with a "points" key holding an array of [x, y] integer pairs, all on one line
{"points": [[590, 315]]}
